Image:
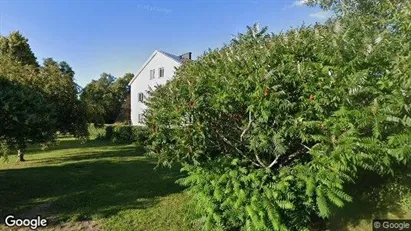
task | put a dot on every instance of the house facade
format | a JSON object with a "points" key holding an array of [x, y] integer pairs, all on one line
{"points": [[157, 70]]}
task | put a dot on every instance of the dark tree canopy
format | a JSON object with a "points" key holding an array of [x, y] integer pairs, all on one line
{"points": [[106, 97]]}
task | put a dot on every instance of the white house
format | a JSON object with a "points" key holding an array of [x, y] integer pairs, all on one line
{"points": [[159, 68]]}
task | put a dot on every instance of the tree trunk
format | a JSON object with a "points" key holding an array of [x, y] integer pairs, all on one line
{"points": [[20, 155]]}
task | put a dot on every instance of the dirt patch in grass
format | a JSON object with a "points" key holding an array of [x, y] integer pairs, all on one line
{"points": [[79, 225], [69, 226], [53, 225]]}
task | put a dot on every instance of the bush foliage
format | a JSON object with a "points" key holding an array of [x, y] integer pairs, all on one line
{"points": [[120, 133], [270, 128], [96, 131]]}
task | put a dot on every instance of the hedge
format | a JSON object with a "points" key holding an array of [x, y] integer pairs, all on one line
{"points": [[120, 134]]}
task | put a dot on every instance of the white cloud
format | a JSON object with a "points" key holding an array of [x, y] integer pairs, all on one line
{"points": [[297, 3], [300, 2], [321, 15]]}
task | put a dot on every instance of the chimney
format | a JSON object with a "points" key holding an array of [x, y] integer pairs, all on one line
{"points": [[186, 56]]}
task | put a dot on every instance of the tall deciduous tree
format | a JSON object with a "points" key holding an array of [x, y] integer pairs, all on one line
{"points": [[105, 97], [26, 114], [16, 47], [61, 89], [37, 101]]}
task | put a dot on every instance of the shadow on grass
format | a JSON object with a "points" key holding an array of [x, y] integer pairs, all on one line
{"points": [[64, 144], [69, 143], [374, 197], [90, 156], [96, 188]]}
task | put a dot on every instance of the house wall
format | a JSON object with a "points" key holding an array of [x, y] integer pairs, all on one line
{"points": [[143, 82]]}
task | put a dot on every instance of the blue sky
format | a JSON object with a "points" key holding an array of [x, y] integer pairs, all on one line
{"points": [[117, 37]]}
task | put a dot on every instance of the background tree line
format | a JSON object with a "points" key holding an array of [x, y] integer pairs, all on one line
{"points": [[37, 101], [107, 99]]}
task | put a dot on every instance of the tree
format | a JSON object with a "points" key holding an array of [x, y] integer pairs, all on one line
{"points": [[25, 113], [97, 98], [125, 111], [25, 116], [43, 99], [16, 47], [61, 89], [271, 128], [66, 69], [122, 101], [105, 97]]}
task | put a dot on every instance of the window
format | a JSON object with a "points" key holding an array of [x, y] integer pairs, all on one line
{"points": [[152, 73], [140, 118], [161, 72], [140, 97]]}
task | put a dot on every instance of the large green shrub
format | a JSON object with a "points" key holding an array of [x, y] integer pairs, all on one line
{"points": [[270, 128]]}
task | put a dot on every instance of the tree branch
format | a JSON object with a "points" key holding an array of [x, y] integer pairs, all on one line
{"points": [[274, 162], [291, 157], [250, 120], [235, 147], [258, 160], [309, 149]]}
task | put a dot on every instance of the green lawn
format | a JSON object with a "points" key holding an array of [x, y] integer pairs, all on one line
{"points": [[115, 186], [99, 185], [375, 198]]}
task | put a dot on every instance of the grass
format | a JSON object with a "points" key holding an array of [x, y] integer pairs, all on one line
{"points": [[375, 198], [114, 185]]}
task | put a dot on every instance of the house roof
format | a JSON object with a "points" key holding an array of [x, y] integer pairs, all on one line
{"points": [[174, 57]]}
